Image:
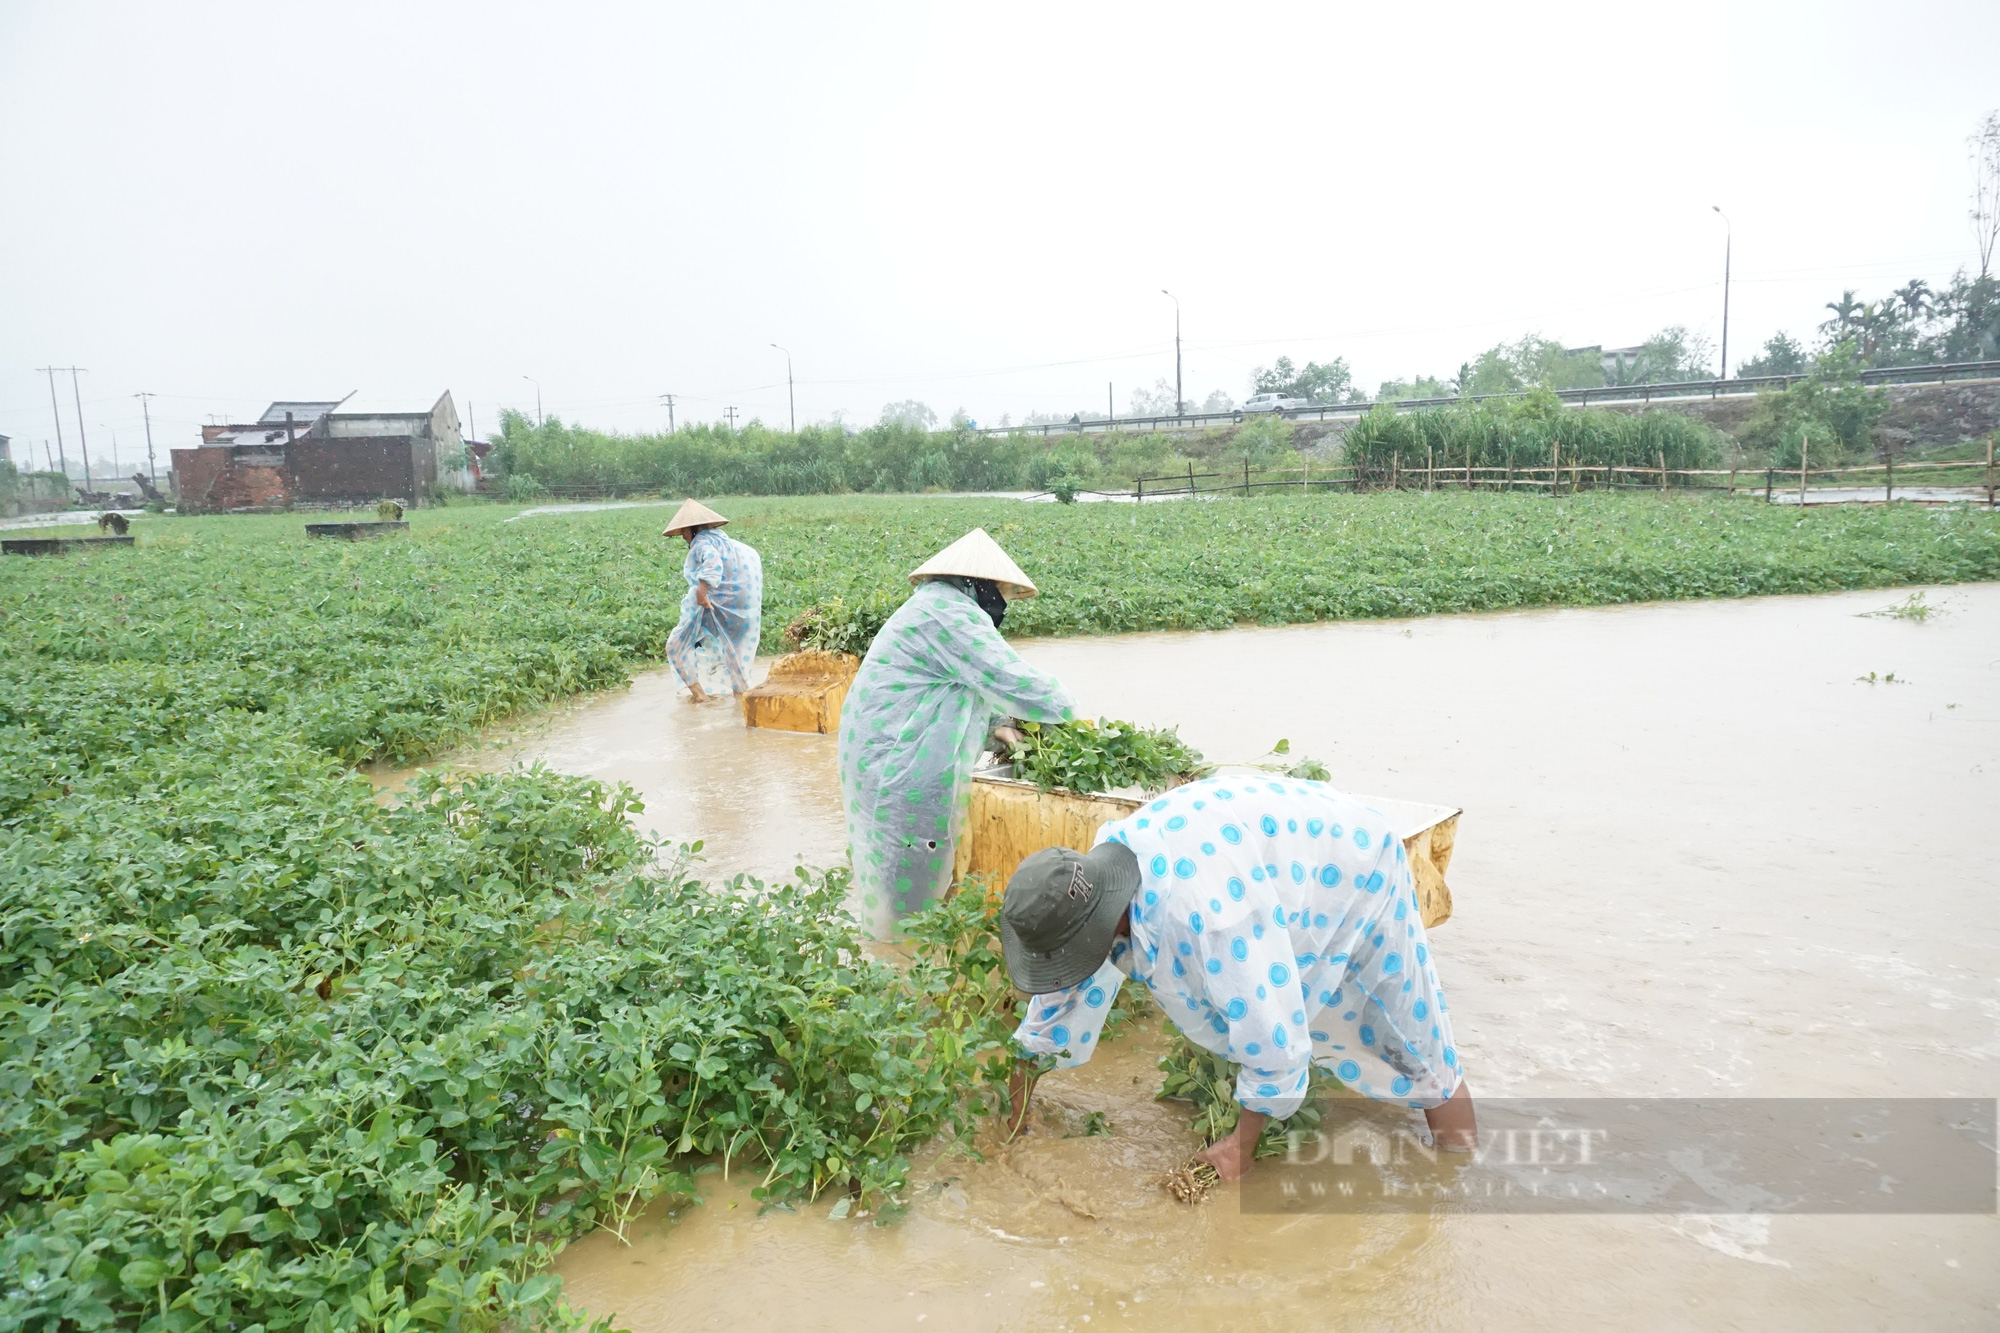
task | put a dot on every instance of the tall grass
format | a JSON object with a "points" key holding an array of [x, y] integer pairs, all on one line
{"points": [[1525, 432], [827, 460]]}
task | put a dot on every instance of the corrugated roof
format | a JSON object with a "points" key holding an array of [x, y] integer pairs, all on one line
{"points": [[304, 411]]}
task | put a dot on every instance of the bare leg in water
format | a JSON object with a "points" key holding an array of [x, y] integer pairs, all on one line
{"points": [[1453, 1128], [1453, 1125]]}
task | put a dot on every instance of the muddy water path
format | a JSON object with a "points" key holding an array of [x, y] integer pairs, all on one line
{"points": [[1699, 857]]}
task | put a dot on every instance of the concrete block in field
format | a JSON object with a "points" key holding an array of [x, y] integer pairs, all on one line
{"points": [[58, 545], [354, 532]]}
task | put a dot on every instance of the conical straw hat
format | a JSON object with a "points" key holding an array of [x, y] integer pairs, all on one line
{"points": [[978, 556], [693, 514]]}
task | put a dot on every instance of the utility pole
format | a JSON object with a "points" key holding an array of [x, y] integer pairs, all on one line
{"points": [[57, 411], [669, 398], [789, 399], [1180, 400], [81, 442], [152, 472], [1728, 241], [731, 413], [1110, 411], [539, 418]]}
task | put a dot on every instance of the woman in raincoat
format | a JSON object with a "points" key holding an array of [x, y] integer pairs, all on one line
{"points": [[715, 643], [936, 683]]}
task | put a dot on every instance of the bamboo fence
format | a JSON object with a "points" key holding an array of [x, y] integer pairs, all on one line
{"points": [[1557, 477]]}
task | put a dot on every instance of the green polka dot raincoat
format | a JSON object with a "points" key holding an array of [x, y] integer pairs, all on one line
{"points": [[938, 678]]}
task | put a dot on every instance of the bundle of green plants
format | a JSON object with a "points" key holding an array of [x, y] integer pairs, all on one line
{"points": [[1085, 756], [1207, 1081], [839, 626]]}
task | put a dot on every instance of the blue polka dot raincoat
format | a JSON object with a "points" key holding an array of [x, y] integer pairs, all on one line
{"points": [[1277, 925], [937, 679], [715, 646]]}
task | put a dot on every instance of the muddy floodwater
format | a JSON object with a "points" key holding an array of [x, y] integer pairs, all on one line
{"points": [[1702, 855]]}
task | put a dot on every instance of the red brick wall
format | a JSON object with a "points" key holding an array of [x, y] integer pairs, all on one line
{"points": [[195, 473], [356, 469], [359, 470], [243, 487]]}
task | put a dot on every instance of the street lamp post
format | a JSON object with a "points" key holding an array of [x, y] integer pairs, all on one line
{"points": [[1180, 400], [791, 400], [539, 418], [1728, 241]]}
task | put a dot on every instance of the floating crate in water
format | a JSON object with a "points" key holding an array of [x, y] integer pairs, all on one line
{"points": [[1010, 819], [804, 692]]}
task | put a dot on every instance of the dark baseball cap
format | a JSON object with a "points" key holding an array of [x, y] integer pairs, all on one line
{"points": [[1061, 913]]}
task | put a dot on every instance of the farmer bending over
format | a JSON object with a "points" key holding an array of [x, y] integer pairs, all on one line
{"points": [[715, 643], [1274, 921]]}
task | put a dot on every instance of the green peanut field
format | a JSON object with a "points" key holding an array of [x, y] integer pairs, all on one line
{"points": [[276, 1055]]}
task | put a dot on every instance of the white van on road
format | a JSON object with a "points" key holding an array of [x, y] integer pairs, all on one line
{"points": [[1272, 402]]}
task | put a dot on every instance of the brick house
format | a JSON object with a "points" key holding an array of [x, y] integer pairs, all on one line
{"points": [[315, 453]]}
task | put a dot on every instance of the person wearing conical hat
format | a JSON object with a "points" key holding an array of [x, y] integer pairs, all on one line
{"points": [[937, 681], [722, 615]]}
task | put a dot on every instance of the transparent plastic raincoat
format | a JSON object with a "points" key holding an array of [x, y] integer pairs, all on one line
{"points": [[1277, 925], [714, 646], [938, 678]]}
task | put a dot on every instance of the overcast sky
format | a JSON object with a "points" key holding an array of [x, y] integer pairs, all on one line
{"points": [[976, 206]]}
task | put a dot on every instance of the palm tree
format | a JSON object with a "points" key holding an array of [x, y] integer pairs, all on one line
{"points": [[1916, 297], [1877, 322], [1846, 313]]}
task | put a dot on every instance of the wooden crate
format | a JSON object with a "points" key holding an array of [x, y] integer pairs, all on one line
{"points": [[1429, 848], [804, 692], [1009, 819]]}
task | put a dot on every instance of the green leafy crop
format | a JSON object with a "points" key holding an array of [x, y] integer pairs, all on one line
{"points": [[1208, 1082], [839, 626], [275, 1055], [1085, 756]]}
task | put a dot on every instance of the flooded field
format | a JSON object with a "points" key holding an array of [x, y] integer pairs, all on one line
{"points": [[1703, 854]]}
